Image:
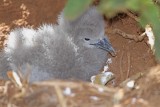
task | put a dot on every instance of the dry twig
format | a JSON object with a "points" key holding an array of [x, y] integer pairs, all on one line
{"points": [[121, 71], [134, 77], [60, 96], [130, 14], [129, 36], [129, 64]]}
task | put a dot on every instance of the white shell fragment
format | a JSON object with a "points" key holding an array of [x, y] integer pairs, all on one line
{"points": [[102, 78], [150, 35], [109, 61], [67, 91], [131, 84], [93, 78], [106, 67], [100, 89], [95, 98]]}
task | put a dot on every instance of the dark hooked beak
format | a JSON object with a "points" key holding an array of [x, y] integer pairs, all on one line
{"points": [[105, 45]]}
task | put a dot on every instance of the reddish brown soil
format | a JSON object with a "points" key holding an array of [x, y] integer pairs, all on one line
{"points": [[131, 57], [15, 13]]}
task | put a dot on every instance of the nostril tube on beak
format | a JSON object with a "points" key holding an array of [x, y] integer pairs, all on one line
{"points": [[105, 45]]}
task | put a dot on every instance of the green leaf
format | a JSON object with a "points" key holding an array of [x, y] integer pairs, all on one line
{"points": [[157, 43], [111, 7], [75, 8], [133, 4]]}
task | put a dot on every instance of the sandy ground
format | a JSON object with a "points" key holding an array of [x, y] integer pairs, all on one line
{"points": [[132, 57]]}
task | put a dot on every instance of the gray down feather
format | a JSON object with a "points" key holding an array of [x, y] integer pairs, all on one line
{"points": [[69, 50]]}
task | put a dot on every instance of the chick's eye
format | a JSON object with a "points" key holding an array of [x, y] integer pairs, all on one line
{"points": [[87, 39]]}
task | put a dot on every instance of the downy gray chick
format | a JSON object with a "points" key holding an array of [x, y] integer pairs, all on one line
{"points": [[70, 50]]}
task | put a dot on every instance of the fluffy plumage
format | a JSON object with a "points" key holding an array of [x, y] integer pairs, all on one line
{"points": [[72, 49]]}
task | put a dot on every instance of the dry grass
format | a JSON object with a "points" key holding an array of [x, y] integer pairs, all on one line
{"points": [[58, 93]]}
